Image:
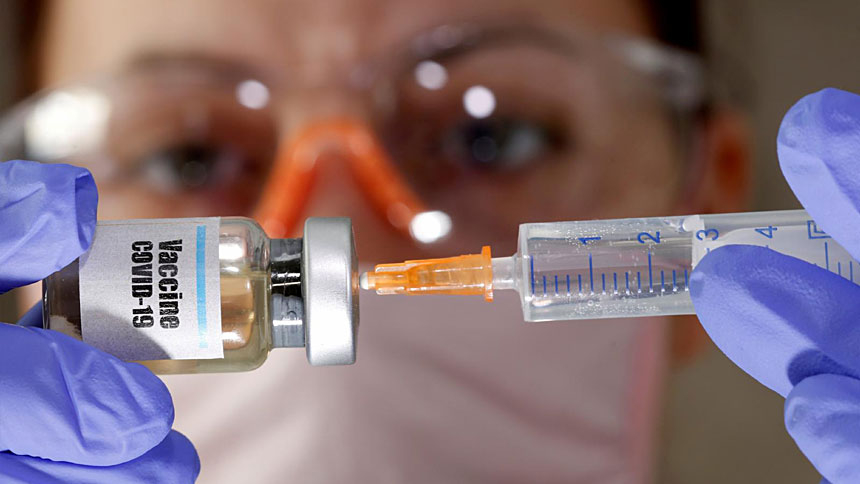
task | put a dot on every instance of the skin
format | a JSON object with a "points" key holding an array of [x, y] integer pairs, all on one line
{"points": [[312, 45], [279, 35]]}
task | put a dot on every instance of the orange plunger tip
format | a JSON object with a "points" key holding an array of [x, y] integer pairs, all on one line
{"points": [[463, 275]]}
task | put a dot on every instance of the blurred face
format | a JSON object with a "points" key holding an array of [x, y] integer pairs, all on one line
{"points": [[204, 98]]}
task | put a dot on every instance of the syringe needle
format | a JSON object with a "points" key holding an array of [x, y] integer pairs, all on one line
{"points": [[462, 275]]}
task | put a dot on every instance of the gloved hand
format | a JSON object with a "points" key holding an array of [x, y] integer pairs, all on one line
{"points": [[793, 326], [69, 412]]}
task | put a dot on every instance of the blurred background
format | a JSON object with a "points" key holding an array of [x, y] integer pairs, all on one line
{"points": [[718, 424], [721, 425]]}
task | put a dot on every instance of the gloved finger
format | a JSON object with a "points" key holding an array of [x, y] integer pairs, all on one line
{"points": [[777, 317], [174, 460], [819, 152], [48, 215], [822, 414], [64, 400], [33, 317]]}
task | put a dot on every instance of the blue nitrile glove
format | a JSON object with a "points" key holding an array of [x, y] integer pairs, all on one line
{"points": [[69, 412], [793, 326]]}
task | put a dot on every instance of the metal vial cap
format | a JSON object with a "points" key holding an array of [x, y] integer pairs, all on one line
{"points": [[330, 291]]}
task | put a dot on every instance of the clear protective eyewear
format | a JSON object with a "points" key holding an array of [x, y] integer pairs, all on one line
{"points": [[461, 136]]}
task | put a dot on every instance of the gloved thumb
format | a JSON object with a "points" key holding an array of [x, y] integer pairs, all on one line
{"points": [[47, 219], [779, 318], [818, 145], [823, 416]]}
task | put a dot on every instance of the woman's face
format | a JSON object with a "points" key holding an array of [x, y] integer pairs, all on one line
{"points": [[514, 131]]}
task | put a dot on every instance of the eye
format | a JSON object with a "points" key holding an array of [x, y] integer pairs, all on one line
{"points": [[501, 143], [193, 165], [486, 111], [201, 144]]}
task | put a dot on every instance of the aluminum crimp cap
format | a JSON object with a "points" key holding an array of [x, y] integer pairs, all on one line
{"points": [[330, 291]]}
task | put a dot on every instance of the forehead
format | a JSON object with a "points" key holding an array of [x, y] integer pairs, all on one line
{"points": [[84, 37]]}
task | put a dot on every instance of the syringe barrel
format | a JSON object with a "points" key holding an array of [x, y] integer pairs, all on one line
{"points": [[642, 266]]}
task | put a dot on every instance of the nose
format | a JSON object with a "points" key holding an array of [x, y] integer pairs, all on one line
{"points": [[337, 167], [336, 194]]}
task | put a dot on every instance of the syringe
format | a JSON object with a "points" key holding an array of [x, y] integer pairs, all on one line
{"points": [[611, 268]]}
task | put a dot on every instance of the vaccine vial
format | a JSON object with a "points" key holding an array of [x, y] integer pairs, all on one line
{"points": [[210, 294]]}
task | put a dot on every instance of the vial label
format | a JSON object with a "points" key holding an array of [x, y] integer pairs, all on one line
{"points": [[150, 289]]}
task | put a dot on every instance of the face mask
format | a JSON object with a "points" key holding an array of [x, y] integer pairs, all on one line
{"points": [[443, 388]]}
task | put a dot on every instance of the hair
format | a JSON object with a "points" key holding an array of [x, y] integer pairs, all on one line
{"points": [[23, 46], [678, 24]]}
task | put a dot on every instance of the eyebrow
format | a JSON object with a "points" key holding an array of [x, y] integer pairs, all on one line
{"points": [[208, 64]]}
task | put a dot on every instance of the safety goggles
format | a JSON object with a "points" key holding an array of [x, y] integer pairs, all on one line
{"points": [[462, 135]]}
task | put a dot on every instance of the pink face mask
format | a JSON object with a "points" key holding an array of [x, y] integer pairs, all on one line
{"points": [[460, 390]]}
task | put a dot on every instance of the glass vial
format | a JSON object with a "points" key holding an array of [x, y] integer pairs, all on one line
{"points": [[210, 294]]}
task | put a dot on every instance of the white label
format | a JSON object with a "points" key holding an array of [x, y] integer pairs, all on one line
{"points": [[150, 289]]}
